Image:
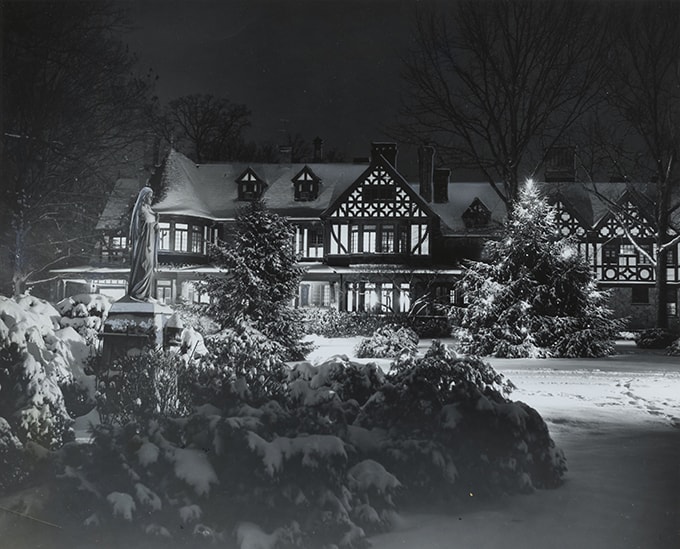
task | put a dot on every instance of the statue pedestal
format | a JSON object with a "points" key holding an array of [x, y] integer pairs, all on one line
{"points": [[133, 325]]}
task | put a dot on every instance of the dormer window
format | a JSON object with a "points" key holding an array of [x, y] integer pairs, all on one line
{"points": [[250, 186], [477, 215], [306, 185]]}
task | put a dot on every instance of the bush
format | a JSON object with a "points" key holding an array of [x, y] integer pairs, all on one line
{"points": [[654, 338], [388, 342], [674, 348], [452, 431], [316, 458], [243, 366], [140, 387], [334, 323]]}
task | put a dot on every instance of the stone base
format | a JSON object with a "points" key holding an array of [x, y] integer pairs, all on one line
{"points": [[133, 325]]}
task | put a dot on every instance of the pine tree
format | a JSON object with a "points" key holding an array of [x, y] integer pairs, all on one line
{"points": [[260, 279], [534, 295]]}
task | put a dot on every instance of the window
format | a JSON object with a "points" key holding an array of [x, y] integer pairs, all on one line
{"points": [[640, 295], [164, 291], [387, 239], [196, 239], [181, 237], [354, 239], [164, 236], [250, 186], [386, 296], [672, 301], [610, 254], [643, 260], [370, 237], [315, 246], [379, 193], [627, 249], [404, 297]]}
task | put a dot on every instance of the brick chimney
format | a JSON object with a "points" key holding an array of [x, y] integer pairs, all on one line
{"points": [[560, 164], [387, 150], [441, 185], [426, 171], [318, 150]]}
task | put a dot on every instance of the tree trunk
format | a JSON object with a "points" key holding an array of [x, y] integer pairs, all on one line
{"points": [[661, 290]]}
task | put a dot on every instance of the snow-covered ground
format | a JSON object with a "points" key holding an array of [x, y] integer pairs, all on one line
{"points": [[618, 421]]}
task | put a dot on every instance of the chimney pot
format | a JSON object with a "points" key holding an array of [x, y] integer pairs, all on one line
{"points": [[426, 171], [318, 150], [441, 185]]}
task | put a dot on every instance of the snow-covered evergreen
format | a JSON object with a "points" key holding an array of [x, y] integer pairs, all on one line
{"points": [[261, 279], [534, 295]]}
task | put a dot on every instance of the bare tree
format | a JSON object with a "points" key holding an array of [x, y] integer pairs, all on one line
{"points": [[210, 126], [495, 84], [72, 112], [638, 134]]}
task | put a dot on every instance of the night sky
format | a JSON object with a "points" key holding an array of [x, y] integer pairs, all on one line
{"points": [[327, 67]]}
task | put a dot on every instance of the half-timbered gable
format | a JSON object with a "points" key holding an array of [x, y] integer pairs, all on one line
{"points": [[250, 185], [573, 225], [379, 215], [306, 184], [624, 240]]}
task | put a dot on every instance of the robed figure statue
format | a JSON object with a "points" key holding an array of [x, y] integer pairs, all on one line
{"points": [[144, 242]]}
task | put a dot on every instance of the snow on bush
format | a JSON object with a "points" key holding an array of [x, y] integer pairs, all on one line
{"points": [[388, 342], [655, 338], [319, 457], [674, 348], [85, 313]]}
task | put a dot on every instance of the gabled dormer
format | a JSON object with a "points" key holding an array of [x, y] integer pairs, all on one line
{"points": [[477, 215], [250, 185], [306, 184]]}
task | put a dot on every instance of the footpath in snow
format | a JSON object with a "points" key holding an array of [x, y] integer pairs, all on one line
{"points": [[617, 420]]}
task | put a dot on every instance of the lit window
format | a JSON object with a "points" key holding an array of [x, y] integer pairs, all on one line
{"points": [[404, 297], [387, 239], [353, 239], [196, 240], [315, 243], [627, 249], [164, 291], [370, 236], [164, 236], [181, 237]]}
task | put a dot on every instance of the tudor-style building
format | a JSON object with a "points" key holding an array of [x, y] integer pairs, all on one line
{"points": [[368, 239]]}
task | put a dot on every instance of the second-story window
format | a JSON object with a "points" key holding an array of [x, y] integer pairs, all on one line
{"points": [[354, 239], [370, 238], [387, 239], [196, 239], [181, 237]]}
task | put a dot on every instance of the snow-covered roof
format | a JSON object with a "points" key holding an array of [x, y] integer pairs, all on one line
{"points": [[210, 190], [119, 205]]}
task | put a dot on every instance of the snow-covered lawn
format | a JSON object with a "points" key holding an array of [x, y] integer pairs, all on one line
{"points": [[618, 421]]}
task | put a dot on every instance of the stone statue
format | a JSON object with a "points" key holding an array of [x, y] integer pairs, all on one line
{"points": [[144, 242]]}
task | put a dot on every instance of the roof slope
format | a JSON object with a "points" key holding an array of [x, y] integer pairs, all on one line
{"points": [[210, 190], [119, 205]]}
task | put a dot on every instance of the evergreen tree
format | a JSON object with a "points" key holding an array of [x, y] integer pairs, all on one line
{"points": [[261, 279], [535, 295]]}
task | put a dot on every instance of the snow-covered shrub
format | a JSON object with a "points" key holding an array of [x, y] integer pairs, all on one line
{"points": [[85, 313], [242, 365], [451, 430], [388, 342], [654, 338], [142, 386], [334, 323], [674, 348]]}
